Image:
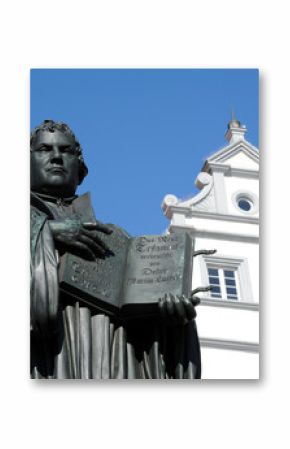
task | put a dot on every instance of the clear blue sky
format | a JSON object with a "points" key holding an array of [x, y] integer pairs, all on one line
{"points": [[145, 133]]}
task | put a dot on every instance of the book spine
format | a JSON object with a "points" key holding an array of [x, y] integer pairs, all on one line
{"points": [[188, 264], [123, 289]]}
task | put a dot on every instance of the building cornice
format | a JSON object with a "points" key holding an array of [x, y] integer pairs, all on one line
{"points": [[233, 345], [230, 304], [227, 170], [247, 238], [213, 215], [217, 167], [243, 173]]}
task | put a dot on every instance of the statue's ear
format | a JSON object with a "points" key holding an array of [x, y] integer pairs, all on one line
{"points": [[83, 171], [81, 178]]}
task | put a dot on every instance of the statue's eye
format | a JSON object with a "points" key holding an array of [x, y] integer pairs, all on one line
{"points": [[68, 149], [45, 148]]}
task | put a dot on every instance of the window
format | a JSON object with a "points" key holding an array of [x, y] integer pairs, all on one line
{"points": [[245, 204], [224, 282], [229, 277]]}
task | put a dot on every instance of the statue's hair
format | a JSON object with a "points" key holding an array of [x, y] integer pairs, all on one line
{"points": [[51, 126]]}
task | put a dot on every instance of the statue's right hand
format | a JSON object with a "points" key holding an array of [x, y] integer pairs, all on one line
{"points": [[80, 237]]}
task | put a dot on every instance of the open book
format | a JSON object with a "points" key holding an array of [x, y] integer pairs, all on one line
{"points": [[130, 282]]}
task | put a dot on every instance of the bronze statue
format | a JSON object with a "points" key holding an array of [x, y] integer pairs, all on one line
{"points": [[69, 338]]}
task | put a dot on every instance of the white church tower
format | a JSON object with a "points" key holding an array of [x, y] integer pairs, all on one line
{"points": [[224, 216]]}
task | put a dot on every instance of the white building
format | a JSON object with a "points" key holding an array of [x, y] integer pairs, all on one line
{"points": [[224, 216]]}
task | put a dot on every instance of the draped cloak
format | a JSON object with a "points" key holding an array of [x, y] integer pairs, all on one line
{"points": [[71, 340]]}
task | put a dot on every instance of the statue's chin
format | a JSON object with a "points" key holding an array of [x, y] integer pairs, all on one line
{"points": [[55, 190]]}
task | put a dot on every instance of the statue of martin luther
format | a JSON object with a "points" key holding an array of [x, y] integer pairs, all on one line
{"points": [[70, 339]]}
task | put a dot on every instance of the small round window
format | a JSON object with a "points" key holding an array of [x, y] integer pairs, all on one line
{"points": [[245, 204]]}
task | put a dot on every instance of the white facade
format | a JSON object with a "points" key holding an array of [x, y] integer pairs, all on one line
{"points": [[224, 216]]}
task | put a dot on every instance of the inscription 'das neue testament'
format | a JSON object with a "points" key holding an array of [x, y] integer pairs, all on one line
{"points": [[151, 245]]}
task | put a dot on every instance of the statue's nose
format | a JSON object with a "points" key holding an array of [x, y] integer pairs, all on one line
{"points": [[56, 155]]}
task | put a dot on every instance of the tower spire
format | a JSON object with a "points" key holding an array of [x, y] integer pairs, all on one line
{"points": [[233, 114]]}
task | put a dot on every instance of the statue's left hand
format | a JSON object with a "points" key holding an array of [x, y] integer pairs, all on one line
{"points": [[79, 237], [176, 309]]}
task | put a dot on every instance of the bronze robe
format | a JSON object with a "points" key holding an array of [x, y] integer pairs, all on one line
{"points": [[70, 340]]}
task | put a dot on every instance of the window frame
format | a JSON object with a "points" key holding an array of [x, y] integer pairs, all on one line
{"points": [[224, 295], [239, 265], [248, 196]]}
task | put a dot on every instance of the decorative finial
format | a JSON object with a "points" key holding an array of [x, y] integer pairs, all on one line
{"points": [[235, 130], [234, 123]]}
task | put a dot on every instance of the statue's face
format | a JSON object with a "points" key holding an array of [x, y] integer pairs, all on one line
{"points": [[54, 164]]}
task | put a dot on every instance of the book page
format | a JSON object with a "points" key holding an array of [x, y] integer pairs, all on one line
{"points": [[156, 265]]}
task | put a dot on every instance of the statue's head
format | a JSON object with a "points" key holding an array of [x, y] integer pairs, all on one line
{"points": [[57, 164]]}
